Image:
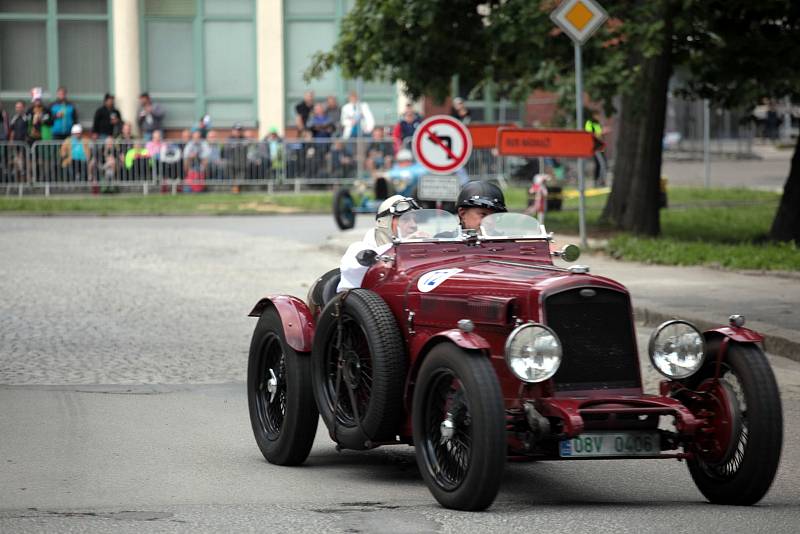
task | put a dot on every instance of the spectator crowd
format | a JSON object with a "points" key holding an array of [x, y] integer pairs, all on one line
{"points": [[329, 142]]}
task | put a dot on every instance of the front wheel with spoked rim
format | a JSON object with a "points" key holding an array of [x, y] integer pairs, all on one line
{"points": [[279, 393], [737, 463], [459, 428]]}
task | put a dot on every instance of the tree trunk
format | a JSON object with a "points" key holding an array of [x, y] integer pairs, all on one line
{"points": [[786, 226], [633, 203]]}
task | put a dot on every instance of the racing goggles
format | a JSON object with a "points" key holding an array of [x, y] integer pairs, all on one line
{"points": [[399, 207]]}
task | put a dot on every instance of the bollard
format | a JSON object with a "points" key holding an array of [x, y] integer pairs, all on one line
{"points": [[144, 188], [47, 189]]}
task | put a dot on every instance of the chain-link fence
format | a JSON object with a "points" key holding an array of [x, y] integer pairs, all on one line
{"points": [[692, 126]]}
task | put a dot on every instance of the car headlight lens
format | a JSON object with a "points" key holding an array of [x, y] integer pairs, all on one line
{"points": [[533, 352], [677, 349]]}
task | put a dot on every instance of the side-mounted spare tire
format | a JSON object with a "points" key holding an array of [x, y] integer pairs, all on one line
{"points": [[358, 379]]}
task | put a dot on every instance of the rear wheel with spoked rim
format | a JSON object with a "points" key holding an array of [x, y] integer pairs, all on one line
{"points": [[459, 428]]}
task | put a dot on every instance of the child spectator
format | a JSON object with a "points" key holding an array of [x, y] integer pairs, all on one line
{"points": [[75, 154], [196, 153], [379, 153], [110, 162]]}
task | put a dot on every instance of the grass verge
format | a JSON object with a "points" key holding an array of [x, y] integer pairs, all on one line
{"points": [[714, 227], [157, 204]]}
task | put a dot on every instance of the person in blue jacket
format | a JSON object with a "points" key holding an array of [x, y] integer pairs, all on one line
{"points": [[63, 114]]}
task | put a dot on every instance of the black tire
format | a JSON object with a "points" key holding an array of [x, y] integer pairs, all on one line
{"points": [[343, 212], [317, 295], [463, 471], [744, 475], [373, 370], [285, 420]]}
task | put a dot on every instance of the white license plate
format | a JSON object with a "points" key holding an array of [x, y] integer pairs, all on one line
{"points": [[612, 444]]}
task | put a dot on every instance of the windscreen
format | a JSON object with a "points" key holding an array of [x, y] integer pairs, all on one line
{"points": [[427, 225], [511, 225]]}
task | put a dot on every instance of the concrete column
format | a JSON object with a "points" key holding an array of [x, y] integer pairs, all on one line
{"points": [[269, 61], [127, 67]]}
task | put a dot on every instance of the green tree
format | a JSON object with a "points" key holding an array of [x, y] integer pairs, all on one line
{"points": [[743, 51], [513, 44]]}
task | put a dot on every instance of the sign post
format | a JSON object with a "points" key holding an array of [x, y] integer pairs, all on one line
{"points": [[579, 19]]}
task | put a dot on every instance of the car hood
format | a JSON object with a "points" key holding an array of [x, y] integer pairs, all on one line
{"points": [[490, 290]]}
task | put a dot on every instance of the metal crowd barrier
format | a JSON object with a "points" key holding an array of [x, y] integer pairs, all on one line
{"points": [[14, 162], [111, 165]]}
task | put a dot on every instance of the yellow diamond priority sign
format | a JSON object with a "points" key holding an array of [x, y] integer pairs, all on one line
{"points": [[579, 18]]}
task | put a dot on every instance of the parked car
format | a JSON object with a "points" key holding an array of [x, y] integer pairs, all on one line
{"points": [[476, 348]]}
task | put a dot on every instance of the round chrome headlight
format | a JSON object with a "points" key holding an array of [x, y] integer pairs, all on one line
{"points": [[677, 349], [533, 352]]}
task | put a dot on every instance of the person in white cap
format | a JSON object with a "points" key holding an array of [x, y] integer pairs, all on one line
{"points": [[75, 154], [378, 238]]}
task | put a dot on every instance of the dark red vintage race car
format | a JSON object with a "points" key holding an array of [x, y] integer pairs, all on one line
{"points": [[477, 349]]}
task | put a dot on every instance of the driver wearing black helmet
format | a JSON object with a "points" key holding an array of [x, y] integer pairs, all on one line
{"points": [[476, 200]]}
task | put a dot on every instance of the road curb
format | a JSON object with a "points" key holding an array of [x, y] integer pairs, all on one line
{"points": [[777, 341]]}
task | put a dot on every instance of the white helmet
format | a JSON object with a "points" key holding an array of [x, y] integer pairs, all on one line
{"points": [[404, 154], [391, 207]]}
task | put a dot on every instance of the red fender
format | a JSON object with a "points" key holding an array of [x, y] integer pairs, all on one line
{"points": [[298, 323], [738, 334], [465, 340]]}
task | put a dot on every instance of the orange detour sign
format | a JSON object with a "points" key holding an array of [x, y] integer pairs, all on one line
{"points": [[533, 143], [485, 135]]}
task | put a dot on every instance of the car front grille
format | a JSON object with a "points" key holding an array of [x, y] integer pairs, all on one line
{"points": [[594, 326]]}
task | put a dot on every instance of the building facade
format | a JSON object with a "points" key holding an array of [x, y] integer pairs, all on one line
{"points": [[239, 61]]}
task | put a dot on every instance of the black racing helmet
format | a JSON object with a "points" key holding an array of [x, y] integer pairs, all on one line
{"points": [[480, 194]]}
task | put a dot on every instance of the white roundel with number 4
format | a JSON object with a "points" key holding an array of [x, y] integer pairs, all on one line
{"points": [[433, 279]]}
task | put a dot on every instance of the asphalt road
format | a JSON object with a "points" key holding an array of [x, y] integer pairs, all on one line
{"points": [[123, 347]]}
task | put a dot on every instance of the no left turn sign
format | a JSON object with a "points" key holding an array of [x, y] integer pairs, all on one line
{"points": [[442, 144]]}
